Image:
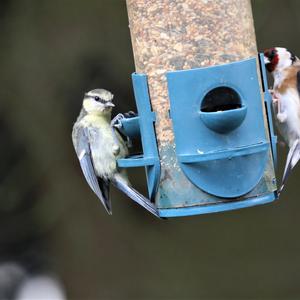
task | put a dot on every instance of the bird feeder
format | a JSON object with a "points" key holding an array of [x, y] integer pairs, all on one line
{"points": [[204, 113]]}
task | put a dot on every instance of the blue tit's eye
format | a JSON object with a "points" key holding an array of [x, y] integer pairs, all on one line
{"points": [[97, 98]]}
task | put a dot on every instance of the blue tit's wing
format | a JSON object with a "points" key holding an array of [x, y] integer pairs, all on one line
{"points": [[82, 146], [292, 159], [123, 186], [99, 186]]}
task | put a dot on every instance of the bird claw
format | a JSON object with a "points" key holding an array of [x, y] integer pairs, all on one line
{"points": [[130, 114], [116, 121], [116, 150], [275, 97], [281, 117], [129, 143]]}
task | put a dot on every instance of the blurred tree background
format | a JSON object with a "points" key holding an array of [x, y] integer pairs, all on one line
{"points": [[51, 53]]}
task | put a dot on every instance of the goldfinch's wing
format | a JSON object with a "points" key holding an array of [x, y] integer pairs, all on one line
{"points": [[292, 159], [298, 82], [294, 152]]}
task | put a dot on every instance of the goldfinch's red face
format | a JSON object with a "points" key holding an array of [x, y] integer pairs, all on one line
{"points": [[271, 59], [278, 58]]}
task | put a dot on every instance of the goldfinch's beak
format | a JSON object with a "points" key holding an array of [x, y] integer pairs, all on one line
{"points": [[266, 60]]}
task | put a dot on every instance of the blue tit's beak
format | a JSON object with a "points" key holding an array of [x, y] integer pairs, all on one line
{"points": [[109, 104]]}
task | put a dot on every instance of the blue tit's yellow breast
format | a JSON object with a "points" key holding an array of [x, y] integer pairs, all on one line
{"points": [[106, 145]]}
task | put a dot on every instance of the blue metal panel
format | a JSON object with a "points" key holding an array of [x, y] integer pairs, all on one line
{"points": [[130, 127], [135, 161], [146, 119], [227, 163], [223, 153], [206, 209], [268, 104], [226, 121]]}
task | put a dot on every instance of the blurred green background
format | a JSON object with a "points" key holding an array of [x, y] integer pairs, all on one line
{"points": [[51, 52]]}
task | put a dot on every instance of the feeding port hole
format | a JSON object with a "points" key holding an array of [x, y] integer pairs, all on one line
{"points": [[221, 99]]}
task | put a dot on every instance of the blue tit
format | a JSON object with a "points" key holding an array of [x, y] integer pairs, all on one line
{"points": [[98, 146]]}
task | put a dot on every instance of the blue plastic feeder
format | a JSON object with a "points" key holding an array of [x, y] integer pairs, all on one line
{"points": [[224, 140]]}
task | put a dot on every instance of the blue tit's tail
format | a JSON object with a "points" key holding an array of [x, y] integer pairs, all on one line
{"points": [[292, 159], [119, 182]]}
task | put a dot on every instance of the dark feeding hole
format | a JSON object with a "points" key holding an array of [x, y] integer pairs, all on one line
{"points": [[220, 99]]}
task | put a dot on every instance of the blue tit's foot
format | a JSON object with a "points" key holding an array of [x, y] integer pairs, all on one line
{"points": [[129, 143], [116, 121], [130, 114], [116, 149]]}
